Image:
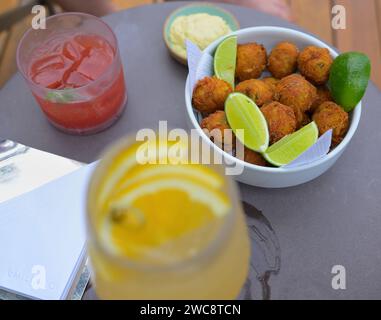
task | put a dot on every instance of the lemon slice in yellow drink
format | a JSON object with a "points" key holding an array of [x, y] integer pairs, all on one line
{"points": [[160, 213], [151, 213], [195, 172], [136, 154]]}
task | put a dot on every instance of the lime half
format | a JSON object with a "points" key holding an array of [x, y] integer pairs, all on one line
{"points": [[292, 146], [225, 60], [243, 113], [349, 77]]}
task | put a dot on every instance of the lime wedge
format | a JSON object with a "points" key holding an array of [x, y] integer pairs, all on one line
{"points": [[225, 60], [292, 146], [243, 113]]}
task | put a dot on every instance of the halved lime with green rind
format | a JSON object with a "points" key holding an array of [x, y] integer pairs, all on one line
{"points": [[225, 60], [243, 113], [292, 146]]}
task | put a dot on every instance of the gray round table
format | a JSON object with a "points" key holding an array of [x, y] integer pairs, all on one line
{"points": [[334, 220]]}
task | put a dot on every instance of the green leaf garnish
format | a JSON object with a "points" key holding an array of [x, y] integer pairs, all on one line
{"points": [[61, 96]]}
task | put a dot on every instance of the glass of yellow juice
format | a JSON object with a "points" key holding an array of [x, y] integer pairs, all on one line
{"points": [[163, 229]]}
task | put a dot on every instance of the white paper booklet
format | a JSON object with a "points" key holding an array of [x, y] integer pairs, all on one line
{"points": [[42, 237], [23, 169]]}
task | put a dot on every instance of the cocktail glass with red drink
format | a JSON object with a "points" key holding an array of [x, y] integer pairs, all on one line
{"points": [[74, 70]]}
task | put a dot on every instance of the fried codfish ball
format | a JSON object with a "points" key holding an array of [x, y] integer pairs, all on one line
{"points": [[330, 115], [257, 90], [280, 119], [254, 158], [295, 91], [214, 127], [251, 61], [283, 60], [315, 64], [302, 118], [210, 93], [322, 95], [272, 83]]}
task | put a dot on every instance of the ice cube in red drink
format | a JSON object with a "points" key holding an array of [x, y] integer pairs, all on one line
{"points": [[71, 50], [95, 63], [76, 80], [48, 71], [51, 62]]}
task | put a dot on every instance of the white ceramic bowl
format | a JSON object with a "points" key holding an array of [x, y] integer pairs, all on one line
{"points": [[275, 177]]}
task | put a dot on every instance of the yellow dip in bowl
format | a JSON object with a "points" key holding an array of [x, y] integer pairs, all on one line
{"points": [[200, 28]]}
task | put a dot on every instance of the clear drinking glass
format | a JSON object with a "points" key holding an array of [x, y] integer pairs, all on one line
{"points": [[218, 270], [74, 70]]}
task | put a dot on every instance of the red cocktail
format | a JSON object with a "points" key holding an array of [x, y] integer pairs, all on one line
{"points": [[74, 70]]}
